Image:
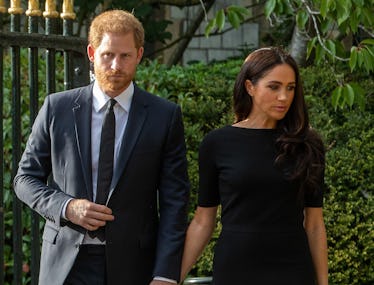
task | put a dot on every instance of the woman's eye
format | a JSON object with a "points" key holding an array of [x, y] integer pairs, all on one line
{"points": [[273, 87], [291, 88]]}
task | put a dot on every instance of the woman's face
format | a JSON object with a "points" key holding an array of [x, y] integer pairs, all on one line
{"points": [[272, 96]]}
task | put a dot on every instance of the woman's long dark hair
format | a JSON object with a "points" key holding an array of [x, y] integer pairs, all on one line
{"points": [[301, 153]]}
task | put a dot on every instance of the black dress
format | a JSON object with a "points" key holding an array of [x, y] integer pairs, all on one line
{"points": [[263, 241]]}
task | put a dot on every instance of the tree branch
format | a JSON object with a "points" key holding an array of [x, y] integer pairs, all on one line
{"points": [[183, 43], [215, 33], [311, 13], [370, 33]]}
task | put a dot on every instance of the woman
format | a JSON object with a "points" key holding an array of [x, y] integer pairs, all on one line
{"points": [[266, 170]]}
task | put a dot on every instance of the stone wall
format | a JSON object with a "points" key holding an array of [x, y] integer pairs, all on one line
{"points": [[215, 47]]}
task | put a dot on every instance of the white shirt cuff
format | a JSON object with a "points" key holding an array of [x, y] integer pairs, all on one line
{"points": [[63, 214], [165, 279]]}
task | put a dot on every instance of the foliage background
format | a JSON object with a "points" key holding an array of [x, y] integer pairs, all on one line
{"points": [[204, 93]]}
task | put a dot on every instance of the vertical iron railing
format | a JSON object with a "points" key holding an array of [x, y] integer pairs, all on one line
{"points": [[68, 18], [76, 73], [15, 13], [50, 14], [2, 227], [33, 14]]}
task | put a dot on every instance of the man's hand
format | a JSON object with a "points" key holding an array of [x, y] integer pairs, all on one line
{"points": [[87, 214]]}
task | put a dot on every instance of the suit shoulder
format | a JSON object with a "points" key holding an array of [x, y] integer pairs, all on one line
{"points": [[69, 95]]}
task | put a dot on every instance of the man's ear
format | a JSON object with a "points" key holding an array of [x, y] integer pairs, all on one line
{"points": [[140, 54], [90, 53]]}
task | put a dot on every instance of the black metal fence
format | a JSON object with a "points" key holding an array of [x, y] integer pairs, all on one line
{"points": [[41, 38]]}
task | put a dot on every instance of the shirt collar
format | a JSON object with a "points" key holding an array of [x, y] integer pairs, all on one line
{"points": [[100, 98]]}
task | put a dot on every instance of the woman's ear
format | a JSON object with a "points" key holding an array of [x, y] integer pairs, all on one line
{"points": [[249, 87]]}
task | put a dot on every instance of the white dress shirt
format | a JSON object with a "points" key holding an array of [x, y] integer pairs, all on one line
{"points": [[121, 111]]}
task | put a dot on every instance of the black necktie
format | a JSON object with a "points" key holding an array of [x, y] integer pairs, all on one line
{"points": [[105, 169]]}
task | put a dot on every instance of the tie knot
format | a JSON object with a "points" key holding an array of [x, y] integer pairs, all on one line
{"points": [[112, 102]]}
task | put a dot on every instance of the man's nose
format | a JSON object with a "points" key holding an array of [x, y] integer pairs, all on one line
{"points": [[116, 63]]}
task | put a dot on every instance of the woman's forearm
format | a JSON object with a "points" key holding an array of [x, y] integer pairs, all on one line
{"points": [[316, 233], [198, 235]]}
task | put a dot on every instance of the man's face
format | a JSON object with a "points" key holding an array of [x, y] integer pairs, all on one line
{"points": [[115, 61]]}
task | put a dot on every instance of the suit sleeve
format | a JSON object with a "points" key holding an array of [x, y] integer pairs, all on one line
{"points": [[30, 182], [173, 201]]}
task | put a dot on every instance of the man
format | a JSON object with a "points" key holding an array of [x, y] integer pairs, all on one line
{"points": [[132, 232]]}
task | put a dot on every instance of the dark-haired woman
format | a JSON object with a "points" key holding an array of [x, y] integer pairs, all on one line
{"points": [[266, 171]]}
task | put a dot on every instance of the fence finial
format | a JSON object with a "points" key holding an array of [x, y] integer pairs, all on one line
{"points": [[15, 7], [50, 9], [68, 10], [33, 9], [2, 6]]}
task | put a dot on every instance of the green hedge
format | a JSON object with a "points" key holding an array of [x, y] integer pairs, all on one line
{"points": [[349, 208], [204, 93]]}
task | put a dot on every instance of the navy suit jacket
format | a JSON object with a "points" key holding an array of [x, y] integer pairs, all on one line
{"points": [[150, 186]]}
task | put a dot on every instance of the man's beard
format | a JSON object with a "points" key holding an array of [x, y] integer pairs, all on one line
{"points": [[111, 84]]}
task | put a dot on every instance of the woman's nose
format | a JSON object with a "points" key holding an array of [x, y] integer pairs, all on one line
{"points": [[282, 95]]}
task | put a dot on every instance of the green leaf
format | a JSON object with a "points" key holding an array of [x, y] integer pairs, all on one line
{"points": [[343, 9], [311, 45], [331, 47], [360, 57], [239, 10], [349, 94], [234, 20], [370, 50], [359, 2], [326, 25], [288, 9], [220, 19], [359, 94], [324, 8], [340, 49], [302, 17], [269, 7], [368, 17], [335, 97], [368, 60], [320, 53], [210, 26], [354, 20], [367, 42], [353, 58]]}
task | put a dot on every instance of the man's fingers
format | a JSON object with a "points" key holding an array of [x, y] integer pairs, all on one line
{"points": [[100, 216], [88, 214], [99, 208]]}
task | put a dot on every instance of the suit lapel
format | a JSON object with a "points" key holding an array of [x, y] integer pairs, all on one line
{"points": [[136, 119], [82, 111]]}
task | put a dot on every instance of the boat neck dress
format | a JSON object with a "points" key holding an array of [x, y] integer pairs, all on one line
{"points": [[263, 241]]}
